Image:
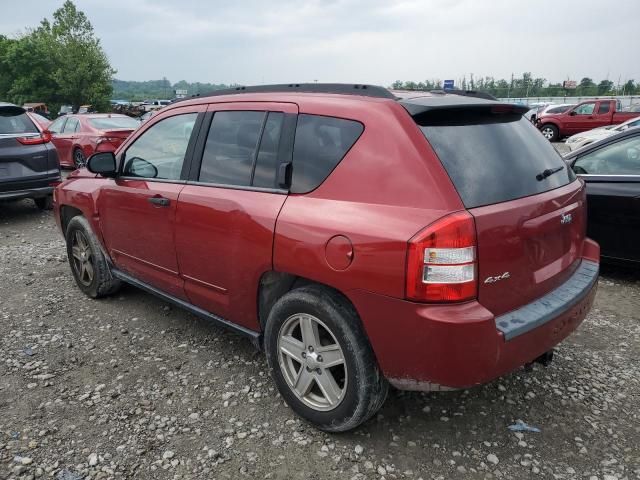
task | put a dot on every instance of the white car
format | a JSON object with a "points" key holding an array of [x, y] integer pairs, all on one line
{"points": [[579, 140]]}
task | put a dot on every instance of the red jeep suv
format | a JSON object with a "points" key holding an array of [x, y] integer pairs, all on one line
{"points": [[361, 238]]}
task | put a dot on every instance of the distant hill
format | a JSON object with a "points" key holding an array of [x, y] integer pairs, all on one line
{"points": [[150, 89]]}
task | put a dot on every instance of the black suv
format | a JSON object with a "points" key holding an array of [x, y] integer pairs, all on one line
{"points": [[29, 165]]}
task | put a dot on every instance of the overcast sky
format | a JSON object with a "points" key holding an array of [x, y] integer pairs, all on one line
{"points": [[361, 41]]}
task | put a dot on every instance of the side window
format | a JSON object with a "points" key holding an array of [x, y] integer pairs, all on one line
{"points": [[604, 107], [320, 144], [230, 149], [620, 158], [266, 171], [159, 152], [56, 126], [71, 126], [585, 109]]}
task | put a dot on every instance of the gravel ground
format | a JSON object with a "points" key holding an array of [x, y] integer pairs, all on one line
{"points": [[132, 387]]}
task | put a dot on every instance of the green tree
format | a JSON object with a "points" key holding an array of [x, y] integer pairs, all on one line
{"points": [[605, 87], [55, 63], [82, 71]]}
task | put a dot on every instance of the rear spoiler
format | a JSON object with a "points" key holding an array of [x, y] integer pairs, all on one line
{"points": [[420, 105]]}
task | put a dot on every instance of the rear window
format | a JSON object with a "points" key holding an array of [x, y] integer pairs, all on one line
{"points": [[604, 107], [107, 123], [320, 143], [16, 124], [493, 158]]}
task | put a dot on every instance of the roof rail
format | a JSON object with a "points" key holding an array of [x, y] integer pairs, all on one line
{"points": [[336, 88]]}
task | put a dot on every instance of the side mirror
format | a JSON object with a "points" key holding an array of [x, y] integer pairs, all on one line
{"points": [[102, 163], [572, 113]]}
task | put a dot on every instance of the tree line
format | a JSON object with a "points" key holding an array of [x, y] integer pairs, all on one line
{"points": [[528, 86], [163, 89]]}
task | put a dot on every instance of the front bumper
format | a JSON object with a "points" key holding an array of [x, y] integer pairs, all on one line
{"points": [[434, 347]]}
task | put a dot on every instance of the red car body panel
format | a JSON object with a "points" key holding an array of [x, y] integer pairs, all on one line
{"points": [[88, 139], [569, 124], [214, 244]]}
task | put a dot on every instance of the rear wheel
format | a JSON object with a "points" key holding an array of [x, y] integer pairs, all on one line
{"points": [[550, 132], [321, 360], [44, 203], [88, 265], [78, 158]]}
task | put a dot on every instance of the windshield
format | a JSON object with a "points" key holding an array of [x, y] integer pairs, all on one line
{"points": [[109, 123], [493, 158]]}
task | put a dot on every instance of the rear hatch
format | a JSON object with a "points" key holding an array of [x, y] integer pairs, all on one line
{"points": [[27, 160], [528, 206]]}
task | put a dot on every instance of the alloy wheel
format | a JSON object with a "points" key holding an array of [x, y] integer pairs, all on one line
{"points": [[548, 133], [82, 258], [78, 158], [312, 362]]}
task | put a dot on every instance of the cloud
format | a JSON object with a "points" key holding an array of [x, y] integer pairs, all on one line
{"points": [[374, 41]]}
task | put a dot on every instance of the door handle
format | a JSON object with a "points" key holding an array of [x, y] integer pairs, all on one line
{"points": [[159, 201]]}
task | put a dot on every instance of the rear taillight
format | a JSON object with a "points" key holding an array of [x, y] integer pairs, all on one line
{"points": [[44, 137], [441, 261], [100, 140]]}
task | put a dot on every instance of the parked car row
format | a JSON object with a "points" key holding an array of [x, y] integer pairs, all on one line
{"points": [[582, 117]]}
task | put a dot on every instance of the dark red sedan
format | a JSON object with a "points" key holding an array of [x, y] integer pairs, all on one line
{"points": [[78, 136]]}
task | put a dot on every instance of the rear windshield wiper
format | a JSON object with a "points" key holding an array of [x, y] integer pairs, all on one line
{"points": [[548, 172]]}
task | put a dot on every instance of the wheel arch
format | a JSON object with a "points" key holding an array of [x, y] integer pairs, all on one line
{"points": [[274, 285]]}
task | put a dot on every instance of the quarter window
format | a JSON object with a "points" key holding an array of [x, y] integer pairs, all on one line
{"points": [[159, 152], [230, 149], [620, 158], [320, 144], [604, 107]]}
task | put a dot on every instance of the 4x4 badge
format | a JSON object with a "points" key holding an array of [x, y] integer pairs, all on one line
{"points": [[566, 218], [497, 278]]}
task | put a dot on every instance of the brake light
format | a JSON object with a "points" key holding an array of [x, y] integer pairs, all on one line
{"points": [[100, 140], [441, 261], [44, 137]]}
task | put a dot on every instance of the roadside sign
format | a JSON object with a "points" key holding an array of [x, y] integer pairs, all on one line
{"points": [[570, 84], [447, 85], [181, 92]]}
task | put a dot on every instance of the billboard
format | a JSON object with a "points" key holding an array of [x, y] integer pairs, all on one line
{"points": [[570, 84]]}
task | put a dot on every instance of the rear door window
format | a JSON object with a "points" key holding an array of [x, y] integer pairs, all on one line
{"points": [[231, 146], [604, 107], [493, 157], [71, 126], [265, 173], [320, 144]]}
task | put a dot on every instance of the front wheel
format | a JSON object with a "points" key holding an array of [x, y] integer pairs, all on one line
{"points": [[550, 132], [88, 265], [321, 360]]}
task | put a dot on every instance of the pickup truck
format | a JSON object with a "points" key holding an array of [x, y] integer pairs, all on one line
{"points": [[584, 116]]}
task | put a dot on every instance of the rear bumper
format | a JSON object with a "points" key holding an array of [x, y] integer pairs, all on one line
{"points": [[433, 347], [28, 193]]}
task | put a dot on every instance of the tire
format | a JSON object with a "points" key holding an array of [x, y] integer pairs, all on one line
{"points": [[359, 387], [78, 158], [44, 203], [88, 265], [550, 132]]}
